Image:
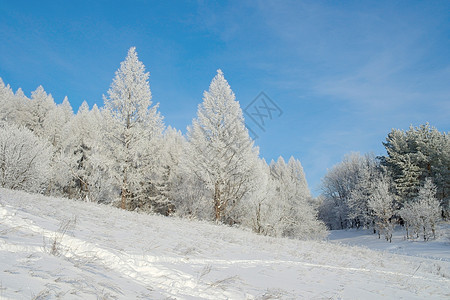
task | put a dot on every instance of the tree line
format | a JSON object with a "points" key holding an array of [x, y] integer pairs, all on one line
{"points": [[122, 154], [410, 185]]}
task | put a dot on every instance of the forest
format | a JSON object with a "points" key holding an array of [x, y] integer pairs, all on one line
{"points": [[122, 154]]}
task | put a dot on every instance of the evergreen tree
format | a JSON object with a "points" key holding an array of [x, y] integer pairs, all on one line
{"points": [[369, 175], [38, 109], [133, 126], [173, 176], [6, 102], [416, 154], [292, 210], [222, 154]]}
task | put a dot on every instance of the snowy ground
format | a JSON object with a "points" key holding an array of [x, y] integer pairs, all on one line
{"points": [[107, 253], [438, 249]]}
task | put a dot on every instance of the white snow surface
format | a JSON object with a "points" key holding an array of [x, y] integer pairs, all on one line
{"points": [[438, 249], [113, 254]]}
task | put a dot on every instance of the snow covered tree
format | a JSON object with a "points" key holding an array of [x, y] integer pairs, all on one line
{"points": [[173, 176], [24, 159], [292, 208], [369, 174], [54, 131], [381, 202], [55, 120], [416, 154], [337, 186], [21, 111], [422, 214], [38, 109], [6, 102], [222, 154], [133, 127], [82, 149], [259, 207]]}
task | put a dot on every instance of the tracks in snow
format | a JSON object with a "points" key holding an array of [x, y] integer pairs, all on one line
{"points": [[150, 271]]}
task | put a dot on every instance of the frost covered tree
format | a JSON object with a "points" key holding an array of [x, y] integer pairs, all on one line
{"points": [[54, 130], [82, 149], [422, 214], [292, 212], [337, 187], [171, 174], [38, 109], [222, 154], [259, 207], [21, 111], [13, 106], [6, 102], [55, 121], [24, 159], [416, 154], [369, 174], [381, 202], [133, 128]]}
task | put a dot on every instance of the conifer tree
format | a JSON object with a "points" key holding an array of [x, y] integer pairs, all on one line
{"points": [[133, 125], [39, 107], [222, 153]]}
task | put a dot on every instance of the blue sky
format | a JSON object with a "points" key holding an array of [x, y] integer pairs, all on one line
{"points": [[343, 72]]}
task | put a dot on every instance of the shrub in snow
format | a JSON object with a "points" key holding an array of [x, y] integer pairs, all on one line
{"points": [[423, 213], [24, 159]]}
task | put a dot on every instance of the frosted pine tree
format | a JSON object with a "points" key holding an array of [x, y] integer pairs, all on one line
{"points": [[54, 130], [292, 212], [38, 109], [82, 149], [416, 154], [133, 126], [259, 205], [172, 174], [55, 121], [369, 174], [222, 153], [6, 102], [21, 109]]}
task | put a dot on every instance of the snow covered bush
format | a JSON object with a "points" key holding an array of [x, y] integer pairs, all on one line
{"points": [[422, 214], [24, 159]]}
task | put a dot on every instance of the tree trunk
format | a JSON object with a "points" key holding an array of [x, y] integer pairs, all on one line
{"points": [[124, 193], [217, 204]]}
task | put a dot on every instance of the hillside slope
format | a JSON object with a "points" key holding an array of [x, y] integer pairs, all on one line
{"points": [[106, 253]]}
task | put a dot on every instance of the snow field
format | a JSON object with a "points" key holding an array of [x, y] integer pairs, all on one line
{"points": [[114, 254]]}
